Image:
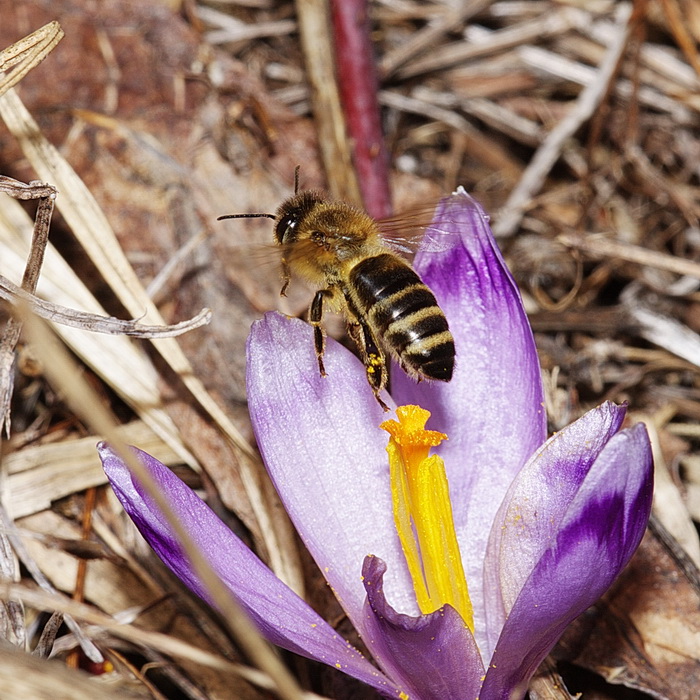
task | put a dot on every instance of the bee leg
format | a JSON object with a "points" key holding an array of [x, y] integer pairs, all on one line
{"points": [[315, 318], [286, 277], [372, 357]]}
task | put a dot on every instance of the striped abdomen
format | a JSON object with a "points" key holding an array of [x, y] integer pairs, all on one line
{"points": [[403, 312]]}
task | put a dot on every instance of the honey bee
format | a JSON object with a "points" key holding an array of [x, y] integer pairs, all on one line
{"points": [[338, 249]]}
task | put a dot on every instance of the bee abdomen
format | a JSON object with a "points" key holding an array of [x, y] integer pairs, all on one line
{"points": [[405, 314]]}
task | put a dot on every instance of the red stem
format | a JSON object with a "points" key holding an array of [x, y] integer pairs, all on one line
{"points": [[358, 84]]}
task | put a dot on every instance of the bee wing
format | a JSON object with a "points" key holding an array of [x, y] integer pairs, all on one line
{"points": [[413, 230]]}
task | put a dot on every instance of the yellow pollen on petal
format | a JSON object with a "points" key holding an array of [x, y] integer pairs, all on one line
{"points": [[423, 514]]}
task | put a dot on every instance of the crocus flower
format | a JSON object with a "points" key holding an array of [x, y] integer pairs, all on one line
{"points": [[540, 528]]}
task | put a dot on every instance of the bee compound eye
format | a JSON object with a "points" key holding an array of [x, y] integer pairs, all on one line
{"points": [[285, 228]]}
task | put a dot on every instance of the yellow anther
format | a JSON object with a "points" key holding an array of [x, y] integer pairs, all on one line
{"points": [[423, 514]]}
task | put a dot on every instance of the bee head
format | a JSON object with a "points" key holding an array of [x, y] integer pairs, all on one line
{"points": [[292, 213]]}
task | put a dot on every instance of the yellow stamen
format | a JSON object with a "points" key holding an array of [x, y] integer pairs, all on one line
{"points": [[423, 514]]}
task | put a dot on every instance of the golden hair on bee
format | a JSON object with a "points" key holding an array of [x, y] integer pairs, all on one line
{"points": [[337, 248]]}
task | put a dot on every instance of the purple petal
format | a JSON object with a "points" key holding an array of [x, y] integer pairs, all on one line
{"points": [[430, 656], [282, 617], [601, 530], [322, 446], [493, 409], [537, 502]]}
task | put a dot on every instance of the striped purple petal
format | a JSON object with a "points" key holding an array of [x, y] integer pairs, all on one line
{"points": [[493, 409], [592, 542], [431, 656], [537, 502]]}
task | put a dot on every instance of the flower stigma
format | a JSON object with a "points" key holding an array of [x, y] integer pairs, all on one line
{"points": [[423, 514]]}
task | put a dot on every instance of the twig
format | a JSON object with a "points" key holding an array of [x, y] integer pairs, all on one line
{"points": [[91, 651], [547, 684], [557, 65], [94, 322], [600, 247], [498, 41], [659, 329], [546, 156], [167, 644], [636, 32], [11, 612], [674, 549], [680, 31], [663, 185], [40, 236], [166, 273], [430, 35], [480, 147], [230, 30], [492, 113]]}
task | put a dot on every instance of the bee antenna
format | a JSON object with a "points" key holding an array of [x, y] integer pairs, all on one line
{"points": [[296, 178], [246, 216]]}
